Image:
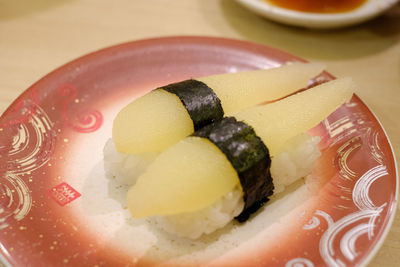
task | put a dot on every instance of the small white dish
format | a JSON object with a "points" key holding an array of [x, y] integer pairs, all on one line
{"points": [[368, 10]]}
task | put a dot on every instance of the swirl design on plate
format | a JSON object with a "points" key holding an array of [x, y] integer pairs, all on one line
{"points": [[31, 144], [339, 129], [15, 200], [315, 222], [337, 245], [342, 156], [347, 126], [23, 109], [373, 143], [353, 225], [299, 262], [83, 121]]}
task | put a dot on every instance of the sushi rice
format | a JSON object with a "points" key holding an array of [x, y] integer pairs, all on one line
{"points": [[125, 168], [294, 160]]}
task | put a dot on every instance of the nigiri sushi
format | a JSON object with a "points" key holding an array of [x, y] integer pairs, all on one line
{"points": [[223, 171], [168, 114]]}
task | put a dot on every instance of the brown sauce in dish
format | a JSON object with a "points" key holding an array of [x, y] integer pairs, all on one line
{"points": [[319, 6]]}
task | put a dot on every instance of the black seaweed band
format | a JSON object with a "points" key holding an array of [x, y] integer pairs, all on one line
{"points": [[249, 157], [202, 104]]}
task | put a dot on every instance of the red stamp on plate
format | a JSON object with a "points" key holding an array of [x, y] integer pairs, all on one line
{"points": [[63, 194]]}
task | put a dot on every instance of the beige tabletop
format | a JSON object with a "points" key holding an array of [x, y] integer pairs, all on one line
{"points": [[38, 36]]}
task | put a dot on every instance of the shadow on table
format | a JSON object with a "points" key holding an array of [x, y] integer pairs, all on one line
{"points": [[13, 9], [357, 41]]}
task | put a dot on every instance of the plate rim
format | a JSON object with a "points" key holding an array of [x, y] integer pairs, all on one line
{"points": [[386, 231], [110, 48]]}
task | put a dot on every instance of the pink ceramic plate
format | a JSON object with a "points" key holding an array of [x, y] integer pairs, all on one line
{"points": [[57, 208]]}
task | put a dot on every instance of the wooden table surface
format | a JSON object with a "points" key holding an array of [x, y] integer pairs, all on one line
{"points": [[38, 36]]}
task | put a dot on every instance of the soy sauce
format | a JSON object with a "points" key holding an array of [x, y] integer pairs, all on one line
{"points": [[318, 6]]}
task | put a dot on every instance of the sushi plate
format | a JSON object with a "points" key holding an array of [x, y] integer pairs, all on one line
{"points": [[57, 208]]}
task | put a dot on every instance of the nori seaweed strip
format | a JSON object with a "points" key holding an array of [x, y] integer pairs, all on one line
{"points": [[202, 104], [248, 155]]}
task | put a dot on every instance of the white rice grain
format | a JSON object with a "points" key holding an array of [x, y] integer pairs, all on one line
{"points": [[294, 160], [125, 168], [205, 221]]}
